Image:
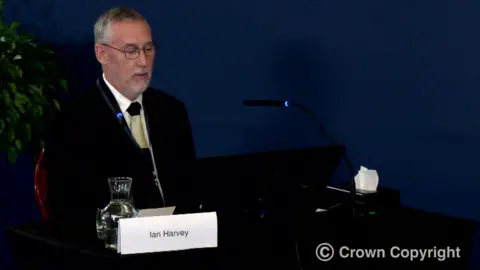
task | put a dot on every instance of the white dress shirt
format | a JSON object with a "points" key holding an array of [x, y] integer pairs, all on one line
{"points": [[124, 103]]}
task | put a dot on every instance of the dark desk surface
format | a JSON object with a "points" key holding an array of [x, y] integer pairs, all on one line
{"points": [[266, 244]]}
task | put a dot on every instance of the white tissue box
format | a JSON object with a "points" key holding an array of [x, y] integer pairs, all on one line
{"points": [[366, 180]]}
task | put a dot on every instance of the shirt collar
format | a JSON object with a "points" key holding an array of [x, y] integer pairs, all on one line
{"points": [[122, 101]]}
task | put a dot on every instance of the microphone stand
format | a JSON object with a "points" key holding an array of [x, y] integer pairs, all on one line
{"points": [[324, 131], [352, 186]]}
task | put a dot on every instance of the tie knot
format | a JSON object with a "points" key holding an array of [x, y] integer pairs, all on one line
{"points": [[134, 109]]}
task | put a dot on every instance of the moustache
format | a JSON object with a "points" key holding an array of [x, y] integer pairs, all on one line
{"points": [[141, 71]]}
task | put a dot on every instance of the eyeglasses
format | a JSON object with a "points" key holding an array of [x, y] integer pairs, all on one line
{"points": [[134, 52]]}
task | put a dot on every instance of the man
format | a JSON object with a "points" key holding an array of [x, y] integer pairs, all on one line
{"points": [[120, 128]]}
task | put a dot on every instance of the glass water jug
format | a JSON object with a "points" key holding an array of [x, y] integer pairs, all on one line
{"points": [[120, 206]]}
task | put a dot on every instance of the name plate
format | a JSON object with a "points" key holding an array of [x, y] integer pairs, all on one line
{"points": [[167, 233]]}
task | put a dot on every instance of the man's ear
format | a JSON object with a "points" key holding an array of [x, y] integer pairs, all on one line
{"points": [[101, 54]]}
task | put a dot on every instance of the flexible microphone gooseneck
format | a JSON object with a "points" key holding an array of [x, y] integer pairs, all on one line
{"points": [[309, 112]]}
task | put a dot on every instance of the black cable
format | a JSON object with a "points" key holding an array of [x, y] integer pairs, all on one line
{"points": [[351, 181], [297, 253], [324, 131]]}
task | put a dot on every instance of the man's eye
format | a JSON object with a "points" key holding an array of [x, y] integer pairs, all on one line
{"points": [[131, 50]]}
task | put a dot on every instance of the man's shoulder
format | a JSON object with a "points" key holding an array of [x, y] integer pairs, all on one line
{"points": [[159, 96], [79, 102]]}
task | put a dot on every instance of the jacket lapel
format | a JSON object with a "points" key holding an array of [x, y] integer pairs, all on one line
{"points": [[153, 110], [115, 109]]}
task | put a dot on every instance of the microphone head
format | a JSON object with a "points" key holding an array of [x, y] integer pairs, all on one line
{"points": [[266, 103]]}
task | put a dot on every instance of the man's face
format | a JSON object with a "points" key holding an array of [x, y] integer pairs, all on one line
{"points": [[130, 76]]}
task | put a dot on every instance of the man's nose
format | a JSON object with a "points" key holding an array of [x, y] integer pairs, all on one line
{"points": [[142, 59]]}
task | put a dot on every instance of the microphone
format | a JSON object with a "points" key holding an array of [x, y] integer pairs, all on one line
{"points": [[266, 103], [312, 115]]}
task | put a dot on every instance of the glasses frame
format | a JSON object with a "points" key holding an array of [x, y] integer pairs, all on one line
{"points": [[137, 51]]}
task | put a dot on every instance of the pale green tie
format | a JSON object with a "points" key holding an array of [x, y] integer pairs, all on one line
{"points": [[136, 124]]}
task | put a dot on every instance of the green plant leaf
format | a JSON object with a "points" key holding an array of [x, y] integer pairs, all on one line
{"points": [[13, 87], [37, 94], [35, 88], [12, 154], [6, 99], [64, 85], [11, 135], [25, 38], [15, 71], [28, 129], [20, 107], [21, 98], [56, 104], [11, 71], [14, 116], [18, 143], [18, 72], [15, 26], [2, 126], [40, 110], [39, 66], [42, 144]]}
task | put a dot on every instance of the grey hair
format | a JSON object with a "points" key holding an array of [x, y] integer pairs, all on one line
{"points": [[117, 14]]}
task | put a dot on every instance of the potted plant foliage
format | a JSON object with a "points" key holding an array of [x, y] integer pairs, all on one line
{"points": [[29, 88]]}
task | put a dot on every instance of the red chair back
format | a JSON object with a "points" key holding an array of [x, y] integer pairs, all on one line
{"points": [[40, 185]]}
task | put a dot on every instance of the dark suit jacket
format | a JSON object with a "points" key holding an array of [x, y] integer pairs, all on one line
{"points": [[89, 145]]}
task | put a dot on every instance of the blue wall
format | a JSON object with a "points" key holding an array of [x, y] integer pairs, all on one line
{"points": [[396, 81]]}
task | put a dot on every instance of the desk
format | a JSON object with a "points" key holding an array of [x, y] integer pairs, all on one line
{"points": [[267, 244], [405, 228]]}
